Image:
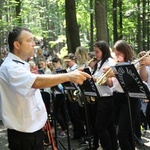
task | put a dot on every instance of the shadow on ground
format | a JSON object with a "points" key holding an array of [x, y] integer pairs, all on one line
{"points": [[68, 143]]}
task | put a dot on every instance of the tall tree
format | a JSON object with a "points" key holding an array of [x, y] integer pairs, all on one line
{"points": [[120, 19], [139, 28], [148, 25], [115, 33], [18, 11], [72, 28], [101, 20], [144, 24]]}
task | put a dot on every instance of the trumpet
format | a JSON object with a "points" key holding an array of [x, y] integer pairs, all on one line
{"points": [[103, 78], [93, 59], [139, 59]]}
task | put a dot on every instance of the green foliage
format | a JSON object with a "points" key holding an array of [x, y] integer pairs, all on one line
{"points": [[47, 18]]}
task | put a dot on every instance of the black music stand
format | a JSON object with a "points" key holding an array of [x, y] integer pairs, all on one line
{"points": [[132, 85], [68, 86], [88, 88]]}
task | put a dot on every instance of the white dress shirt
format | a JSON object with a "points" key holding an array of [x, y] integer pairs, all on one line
{"points": [[74, 67], [116, 86], [103, 89], [22, 106]]}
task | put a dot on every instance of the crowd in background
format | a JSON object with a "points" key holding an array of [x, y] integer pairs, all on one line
{"points": [[105, 133], [109, 116]]}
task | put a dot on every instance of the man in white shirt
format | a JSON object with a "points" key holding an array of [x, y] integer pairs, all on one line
{"points": [[22, 108]]}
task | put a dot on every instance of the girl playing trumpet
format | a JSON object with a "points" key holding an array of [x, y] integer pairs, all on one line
{"points": [[123, 53]]}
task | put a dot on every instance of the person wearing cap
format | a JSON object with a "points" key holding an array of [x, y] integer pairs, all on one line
{"points": [[70, 61], [73, 106]]}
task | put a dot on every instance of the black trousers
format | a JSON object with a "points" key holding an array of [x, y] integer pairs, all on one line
{"points": [[25, 141], [76, 119], [122, 118], [104, 123], [60, 111]]}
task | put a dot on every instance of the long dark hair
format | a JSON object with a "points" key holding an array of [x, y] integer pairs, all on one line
{"points": [[104, 47]]}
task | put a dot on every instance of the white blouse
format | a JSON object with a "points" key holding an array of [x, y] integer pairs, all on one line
{"points": [[103, 89]]}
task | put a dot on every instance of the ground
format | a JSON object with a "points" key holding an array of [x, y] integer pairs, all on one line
{"points": [[68, 143]]}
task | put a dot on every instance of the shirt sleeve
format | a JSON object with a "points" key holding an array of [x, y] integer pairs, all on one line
{"points": [[20, 79]]}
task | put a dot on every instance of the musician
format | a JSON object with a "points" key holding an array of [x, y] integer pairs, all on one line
{"points": [[123, 53], [59, 106], [92, 61], [104, 121], [82, 61], [82, 56], [45, 92], [144, 72], [22, 108], [73, 106]]}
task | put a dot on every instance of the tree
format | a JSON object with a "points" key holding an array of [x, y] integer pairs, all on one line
{"points": [[18, 11], [115, 26], [72, 28], [101, 20]]}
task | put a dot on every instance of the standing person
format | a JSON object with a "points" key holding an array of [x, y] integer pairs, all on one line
{"points": [[144, 72], [42, 64], [123, 53], [59, 106], [22, 107], [33, 67], [82, 56], [73, 106], [92, 61], [104, 121], [83, 62], [46, 92]]}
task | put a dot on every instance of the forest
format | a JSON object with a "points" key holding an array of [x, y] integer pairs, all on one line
{"points": [[60, 26]]}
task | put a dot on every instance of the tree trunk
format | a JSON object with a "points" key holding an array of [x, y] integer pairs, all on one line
{"points": [[120, 19], [148, 25], [72, 28], [91, 26], [139, 28], [18, 10], [144, 25], [101, 20], [115, 33]]}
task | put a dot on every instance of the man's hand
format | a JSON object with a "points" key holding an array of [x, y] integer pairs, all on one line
{"points": [[78, 76]]}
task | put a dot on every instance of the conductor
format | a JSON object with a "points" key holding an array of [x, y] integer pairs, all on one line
{"points": [[22, 108]]}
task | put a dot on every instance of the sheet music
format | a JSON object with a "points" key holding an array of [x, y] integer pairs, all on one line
{"points": [[88, 87], [130, 80]]}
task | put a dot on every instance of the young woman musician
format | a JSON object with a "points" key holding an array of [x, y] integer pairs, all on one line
{"points": [[123, 53], [144, 72], [104, 121]]}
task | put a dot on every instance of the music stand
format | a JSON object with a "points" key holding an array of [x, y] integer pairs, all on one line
{"points": [[88, 88], [132, 85], [69, 86]]}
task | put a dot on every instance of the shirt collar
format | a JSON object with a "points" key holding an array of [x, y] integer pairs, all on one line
{"points": [[75, 66], [17, 59]]}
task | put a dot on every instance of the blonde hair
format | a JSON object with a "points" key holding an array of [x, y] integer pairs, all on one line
{"points": [[82, 52], [32, 63]]}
